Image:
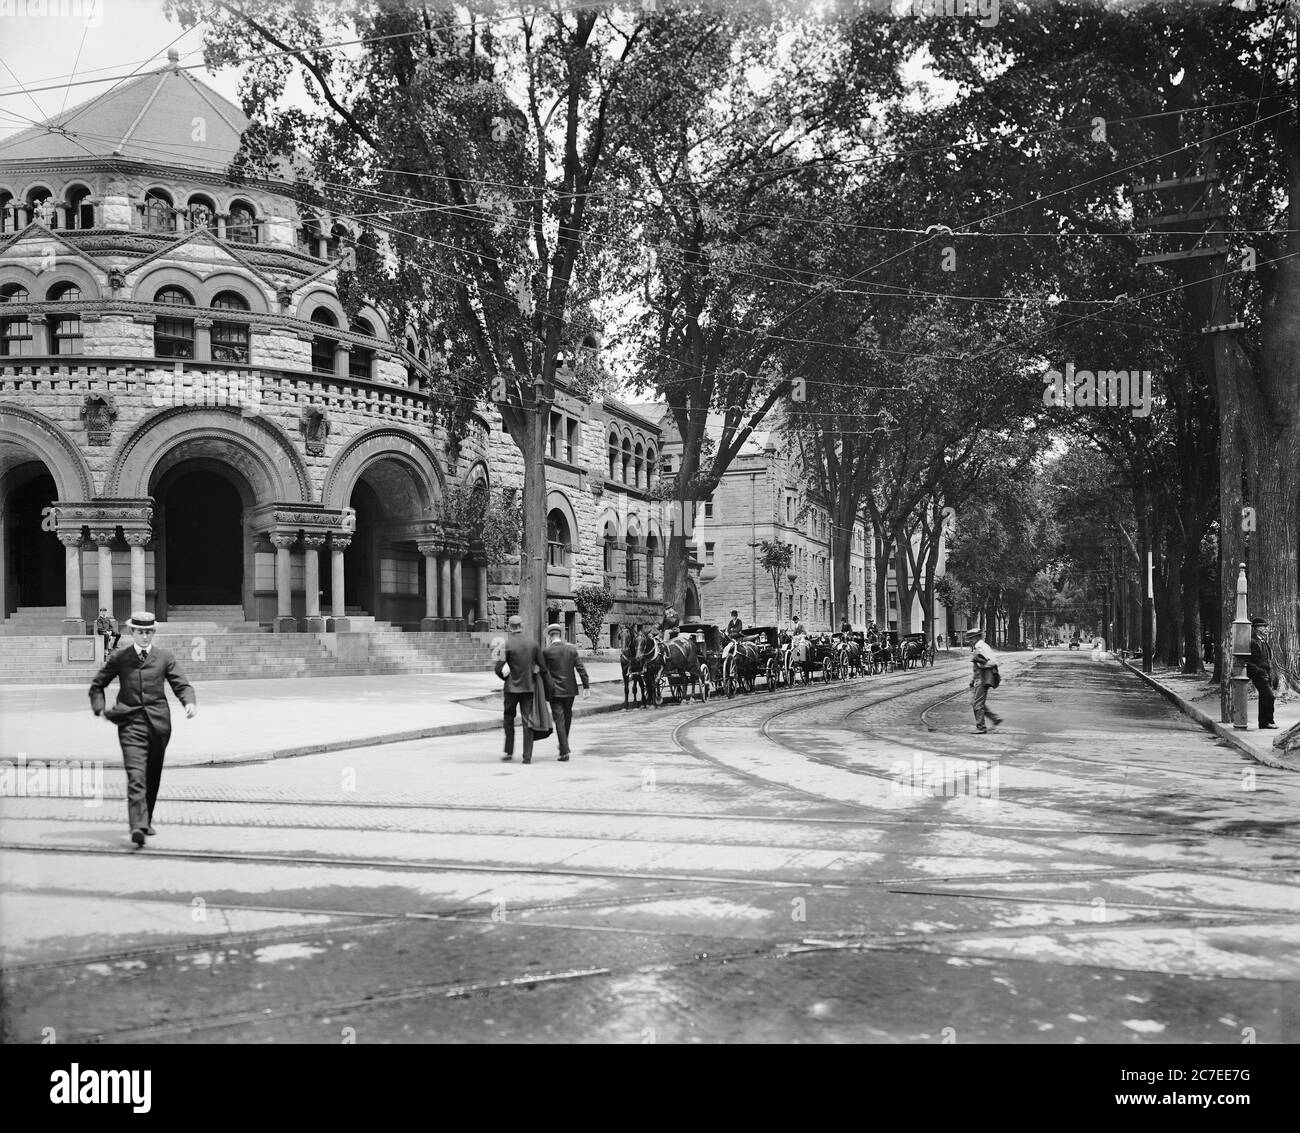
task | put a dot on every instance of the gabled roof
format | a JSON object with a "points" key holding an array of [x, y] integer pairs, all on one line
{"points": [[150, 119]]}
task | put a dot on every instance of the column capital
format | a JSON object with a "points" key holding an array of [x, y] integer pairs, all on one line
{"points": [[103, 537], [70, 538], [340, 542], [38, 318], [203, 324], [313, 541], [138, 538], [283, 539], [430, 548]]}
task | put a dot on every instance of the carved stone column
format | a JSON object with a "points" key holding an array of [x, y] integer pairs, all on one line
{"points": [[482, 597], [73, 623], [457, 608], [431, 620], [203, 340], [338, 604], [311, 582], [137, 540], [40, 334], [444, 587], [284, 619], [342, 359], [104, 541]]}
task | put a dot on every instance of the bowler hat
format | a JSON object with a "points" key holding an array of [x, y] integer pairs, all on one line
{"points": [[1259, 621], [142, 619], [555, 627]]}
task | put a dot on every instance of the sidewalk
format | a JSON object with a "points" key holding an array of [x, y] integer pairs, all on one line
{"points": [[247, 720], [1196, 697]]}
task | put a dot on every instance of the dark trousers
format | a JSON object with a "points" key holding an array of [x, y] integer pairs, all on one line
{"points": [[1266, 699], [562, 712], [143, 749], [979, 694], [512, 701], [110, 642]]}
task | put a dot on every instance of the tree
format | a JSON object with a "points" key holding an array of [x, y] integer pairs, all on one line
{"points": [[775, 557], [593, 603]]}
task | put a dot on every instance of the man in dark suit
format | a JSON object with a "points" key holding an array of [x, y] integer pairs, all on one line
{"points": [[143, 718], [521, 655], [1262, 670], [565, 667], [735, 627], [106, 627]]}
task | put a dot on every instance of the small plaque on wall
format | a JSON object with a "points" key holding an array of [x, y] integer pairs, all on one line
{"points": [[79, 649]]}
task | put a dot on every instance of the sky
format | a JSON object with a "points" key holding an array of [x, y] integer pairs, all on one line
{"points": [[47, 43]]}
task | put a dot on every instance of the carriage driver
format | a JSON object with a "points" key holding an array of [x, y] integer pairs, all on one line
{"points": [[735, 627], [668, 627]]}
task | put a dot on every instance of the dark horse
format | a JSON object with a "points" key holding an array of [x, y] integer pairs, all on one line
{"points": [[650, 659], [630, 663], [682, 663]]}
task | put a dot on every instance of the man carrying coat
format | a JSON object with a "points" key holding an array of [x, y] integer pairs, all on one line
{"points": [[565, 666], [522, 654], [143, 718], [984, 663]]}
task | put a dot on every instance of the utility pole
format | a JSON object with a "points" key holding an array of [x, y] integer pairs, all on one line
{"points": [[1148, 619]]}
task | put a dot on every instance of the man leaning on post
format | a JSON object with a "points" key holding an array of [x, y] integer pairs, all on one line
{"points": [[565, 667], [522, 655], [1262, 670]]}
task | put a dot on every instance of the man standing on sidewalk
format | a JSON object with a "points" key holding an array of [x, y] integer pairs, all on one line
{"points": [[563, 662], [1262, 669], [144, 721], [522, 655], [985, 664]]}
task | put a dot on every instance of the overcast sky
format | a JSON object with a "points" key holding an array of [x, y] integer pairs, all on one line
{"points": [[47, 43]]}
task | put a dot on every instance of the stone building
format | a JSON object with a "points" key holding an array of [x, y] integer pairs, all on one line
{"points": [[190, 421]]}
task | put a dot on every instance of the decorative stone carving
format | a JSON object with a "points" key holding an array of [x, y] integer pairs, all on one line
{"points": [[312, 541], [430, 548], [340, 542], [314, 424], [116, 279], [138, 538], [70, 538], [285, 539], [103, 537], [285, 297], [99, 411], [314, 519]]}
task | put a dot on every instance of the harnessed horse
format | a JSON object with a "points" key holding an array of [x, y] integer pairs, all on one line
{"points": [[630, 663], [682, 662], [650, 658], [739, 665]]}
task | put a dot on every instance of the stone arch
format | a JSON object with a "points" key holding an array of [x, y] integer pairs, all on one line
{"points": [[376, 445], [319, 297], [52, 446], [376, 320], [609, 518], [242, 285], [479, 471], [556, 500], [66, 272], [147, 285], [260, 451]]}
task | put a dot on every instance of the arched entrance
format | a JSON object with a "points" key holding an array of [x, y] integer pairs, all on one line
{"points": [[33, 558], [202, 552]]}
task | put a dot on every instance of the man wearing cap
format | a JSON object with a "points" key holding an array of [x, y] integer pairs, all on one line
{"points": [[565, 666], [735, 627], [143, 718], [106, 627], [668, 626], [1262, 669], [984, 663], [522, 656]]}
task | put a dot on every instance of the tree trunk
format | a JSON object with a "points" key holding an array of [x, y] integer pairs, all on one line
{"points": [[1190, 579], [531, 441], [901, 580], [682, 502], [880, 615]]}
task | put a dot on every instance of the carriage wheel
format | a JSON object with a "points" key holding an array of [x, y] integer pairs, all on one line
{"points": [[657, 690], [706, 683], [773, 675]]}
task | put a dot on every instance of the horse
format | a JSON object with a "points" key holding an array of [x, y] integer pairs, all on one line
{"points": [[650, 659], [681, 661], [739, 664], [801, 656], [630, 664]]}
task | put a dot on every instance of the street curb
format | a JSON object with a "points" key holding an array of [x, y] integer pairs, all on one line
{"points": [[1224, 731]]}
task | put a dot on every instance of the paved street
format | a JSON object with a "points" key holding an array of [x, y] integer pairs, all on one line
{"points": [[819, 865]]}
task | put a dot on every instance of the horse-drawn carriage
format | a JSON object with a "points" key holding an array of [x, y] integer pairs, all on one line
{"points": [[710, 645], [917, 651], [770, 658]]}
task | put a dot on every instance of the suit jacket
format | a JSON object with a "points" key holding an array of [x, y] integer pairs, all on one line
{"points": [[142, 686], [106, 623], [562, 661], [1261, 660], [522, 653]]}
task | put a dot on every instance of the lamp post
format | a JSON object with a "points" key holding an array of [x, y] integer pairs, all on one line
{"points": [[1240, 653]]}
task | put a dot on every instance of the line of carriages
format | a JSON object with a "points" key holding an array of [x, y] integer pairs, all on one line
{"points": [[765, 657]]}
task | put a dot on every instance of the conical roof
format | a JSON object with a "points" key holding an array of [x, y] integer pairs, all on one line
{"points": [[164, 117]]}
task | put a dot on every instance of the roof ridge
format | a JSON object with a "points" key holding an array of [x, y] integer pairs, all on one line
{"points": [[215, 99], [148, 102]]}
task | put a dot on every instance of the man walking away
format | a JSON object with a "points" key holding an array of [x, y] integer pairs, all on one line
{"points": [[562, 662], [1262, 669], [984, 663], [106, 627], [143, 718], [522, 655]]}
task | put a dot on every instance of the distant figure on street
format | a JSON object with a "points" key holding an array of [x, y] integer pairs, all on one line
{"points": [[1207, 647], [563, 662], [1262, 669], [106, 627], [523, 657], [984, 662], [735, 627], [845, 627], [143, 718]]}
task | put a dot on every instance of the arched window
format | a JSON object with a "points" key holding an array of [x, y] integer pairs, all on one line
{"points": [[632, 561], [309, 236], [609, 543], [243, 223], [229, 339], [173, 337], [651, 472], [159, 216], [559, 544], [651, 552], [322, 348], [627, 459], [361, 360], [8, 212], [15, 331], [81, 213], [638, 463], [65, 330], [40, 206], [613, 456], [202, 212]]}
